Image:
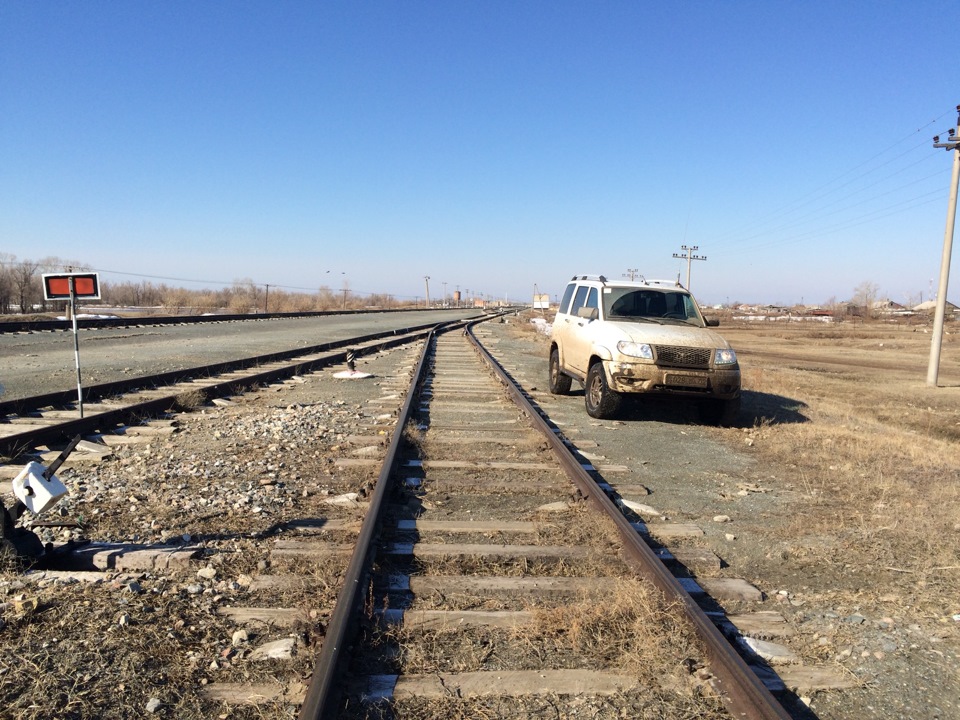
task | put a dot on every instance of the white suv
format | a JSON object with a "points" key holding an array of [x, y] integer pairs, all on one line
{"points": [[640, 337]]}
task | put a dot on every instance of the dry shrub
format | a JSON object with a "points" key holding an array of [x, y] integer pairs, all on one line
{"points": [[413, 440], [190, 400]]}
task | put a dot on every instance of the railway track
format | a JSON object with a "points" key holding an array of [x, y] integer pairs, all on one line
{"points": [[29, 326], [469, 576], [55, 417]]}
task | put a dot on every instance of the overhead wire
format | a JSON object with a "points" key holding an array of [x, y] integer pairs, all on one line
{"points": [[827, 192], [227, 283]]}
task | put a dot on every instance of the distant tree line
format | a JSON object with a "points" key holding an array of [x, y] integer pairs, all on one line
{"points": [[21, 292]]}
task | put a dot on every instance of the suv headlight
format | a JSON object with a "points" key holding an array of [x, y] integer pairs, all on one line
{"points": [[634, 349], [725, 356]]}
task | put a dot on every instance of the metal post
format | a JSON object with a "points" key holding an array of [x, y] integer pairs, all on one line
{"points": [[76, 342], [426, 280], [266, 300], [934, 367]]}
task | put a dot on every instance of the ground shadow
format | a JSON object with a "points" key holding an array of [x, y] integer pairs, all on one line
{"points": [[756, 408]]}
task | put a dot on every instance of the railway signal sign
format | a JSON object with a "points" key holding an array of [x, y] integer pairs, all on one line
{"points": [[69, 287]]}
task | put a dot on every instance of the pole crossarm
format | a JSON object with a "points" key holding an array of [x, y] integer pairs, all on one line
{"points": [[689, 257]]}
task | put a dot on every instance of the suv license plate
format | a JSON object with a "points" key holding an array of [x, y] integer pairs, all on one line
{"points": [[686, 380]]}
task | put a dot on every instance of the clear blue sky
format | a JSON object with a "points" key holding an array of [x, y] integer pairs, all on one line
{"points": [[490, 145]]}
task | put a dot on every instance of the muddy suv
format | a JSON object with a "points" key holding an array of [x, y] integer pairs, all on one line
{"points": [[640, 337]]}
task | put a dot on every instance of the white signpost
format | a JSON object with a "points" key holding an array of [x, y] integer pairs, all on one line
{"points": [[69, 287]]}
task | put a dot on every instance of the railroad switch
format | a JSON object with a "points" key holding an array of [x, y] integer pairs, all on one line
{"points": [[37, 489], [351, 373]]}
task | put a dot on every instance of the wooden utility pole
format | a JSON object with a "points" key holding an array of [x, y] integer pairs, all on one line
{"points": [[688, 256]]}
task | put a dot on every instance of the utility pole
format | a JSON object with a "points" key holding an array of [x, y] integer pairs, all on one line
{"points": [[632, 273], [266, 299], [444, 294], [689, 256], [952, 143], [426, 280]]}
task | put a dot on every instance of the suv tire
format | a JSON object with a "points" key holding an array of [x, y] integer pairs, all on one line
{"points": [[559, 383], [601, 402]]}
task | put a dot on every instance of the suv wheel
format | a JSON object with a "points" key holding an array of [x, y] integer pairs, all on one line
{"points": [[600, 400], [559, 383]]}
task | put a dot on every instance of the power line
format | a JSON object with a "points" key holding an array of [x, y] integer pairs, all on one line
{"points": [[824, 195], [221, 282]]}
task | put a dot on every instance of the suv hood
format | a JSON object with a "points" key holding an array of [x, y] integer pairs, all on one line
{"points": [[655, 334]]}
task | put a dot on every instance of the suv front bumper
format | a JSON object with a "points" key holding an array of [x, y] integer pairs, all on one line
{"points": [[628, 377]]}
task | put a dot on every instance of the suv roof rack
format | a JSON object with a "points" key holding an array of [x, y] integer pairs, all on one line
{"points": [[639, 279], [667, 283]]}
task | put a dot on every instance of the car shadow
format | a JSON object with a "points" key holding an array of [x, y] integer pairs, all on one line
{"points": [[756, 408]]}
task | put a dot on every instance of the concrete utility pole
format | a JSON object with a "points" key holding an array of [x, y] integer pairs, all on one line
{"points": [[426, 280], [952, 143], [632, 273], [688, 256]]}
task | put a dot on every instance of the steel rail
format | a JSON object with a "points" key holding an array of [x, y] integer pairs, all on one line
{"points": [[323, 695], [13, 445], [15, 326], [742, 691]]}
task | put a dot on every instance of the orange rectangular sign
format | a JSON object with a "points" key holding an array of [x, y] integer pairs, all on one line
{"points": [[57, 286]]}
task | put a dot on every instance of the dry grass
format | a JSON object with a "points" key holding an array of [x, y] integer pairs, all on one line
{"points": [[190, 400], [872, 454], [634, 631]]}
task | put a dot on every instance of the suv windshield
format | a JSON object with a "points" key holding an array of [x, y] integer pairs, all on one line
{"points": [[622, 303]]}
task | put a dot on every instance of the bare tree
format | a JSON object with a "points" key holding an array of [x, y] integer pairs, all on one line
{"points": [[865, 294], [246, 297], [6, 281], [26, 286], [177, 299]]}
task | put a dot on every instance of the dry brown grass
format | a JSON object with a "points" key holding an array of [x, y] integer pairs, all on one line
{"points": [[873, 455], [633, 631], [190, 400]]}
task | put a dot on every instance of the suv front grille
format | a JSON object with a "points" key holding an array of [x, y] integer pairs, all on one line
{"points": [[682, 356]]}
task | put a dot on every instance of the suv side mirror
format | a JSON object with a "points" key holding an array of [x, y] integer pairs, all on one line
{"points": [[712, 322], [589, 313]]}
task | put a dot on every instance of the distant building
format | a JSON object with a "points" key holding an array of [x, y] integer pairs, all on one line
{"points": [[887, 306], [931, 305]]}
